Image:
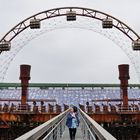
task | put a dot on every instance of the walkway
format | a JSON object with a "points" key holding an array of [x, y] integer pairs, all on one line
{"points": [[78, 134]]}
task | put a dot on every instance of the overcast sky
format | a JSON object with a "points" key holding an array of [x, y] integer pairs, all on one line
{"points": [[56, 59]]}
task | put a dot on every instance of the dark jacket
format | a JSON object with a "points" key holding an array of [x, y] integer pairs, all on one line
{"points": [[69, 120]]}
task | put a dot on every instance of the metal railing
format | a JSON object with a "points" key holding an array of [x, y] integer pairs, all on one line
{"points": [[130, 109], [57, 131], [91, 130], [50, 130], [54, 128]]}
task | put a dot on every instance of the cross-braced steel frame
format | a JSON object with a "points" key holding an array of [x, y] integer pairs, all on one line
{"points": [[91, 13], [81, 12]]}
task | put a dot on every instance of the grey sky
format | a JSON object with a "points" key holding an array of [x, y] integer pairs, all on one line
{"points": [[55, 59]]}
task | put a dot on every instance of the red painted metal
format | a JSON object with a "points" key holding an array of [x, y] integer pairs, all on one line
{"points": [[110, 115], [24, 77], [124, 76]]}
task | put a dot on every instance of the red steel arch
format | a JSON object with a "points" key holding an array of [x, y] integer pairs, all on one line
{"points": [[91, 13]]}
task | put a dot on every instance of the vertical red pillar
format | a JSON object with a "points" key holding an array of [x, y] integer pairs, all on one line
{"points": [[24, 77], [124, 76]]}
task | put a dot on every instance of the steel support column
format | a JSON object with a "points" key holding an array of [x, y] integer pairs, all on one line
{"points": [[24, 77], [124, 76]]}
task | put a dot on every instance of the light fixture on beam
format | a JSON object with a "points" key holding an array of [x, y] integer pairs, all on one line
{"points": [[35, 23], [107, 23], [136, 45], [71, 15], [5, 46]]}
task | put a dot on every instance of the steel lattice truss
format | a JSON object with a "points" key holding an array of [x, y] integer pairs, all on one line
{"points": [[62, 12], [88, 19]]}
